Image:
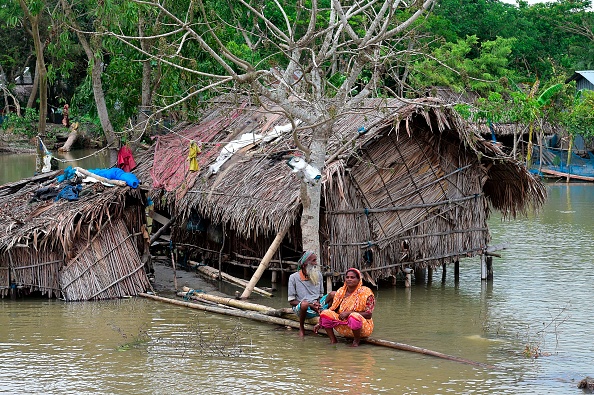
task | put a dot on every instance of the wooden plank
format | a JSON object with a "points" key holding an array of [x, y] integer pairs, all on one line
{"points": [[562, 174], [158, 217]]}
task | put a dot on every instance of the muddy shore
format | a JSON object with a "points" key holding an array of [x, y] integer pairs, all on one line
{"points": [[164, 285]]}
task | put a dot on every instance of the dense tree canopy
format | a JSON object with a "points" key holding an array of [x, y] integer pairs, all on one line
{"points": [[481, 45]]}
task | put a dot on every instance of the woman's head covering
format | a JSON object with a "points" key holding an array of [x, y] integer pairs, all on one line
{"points": [[356, 271], [306, 259]]}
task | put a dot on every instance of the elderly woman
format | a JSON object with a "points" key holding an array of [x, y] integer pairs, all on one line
{"points": [[351, 310]]}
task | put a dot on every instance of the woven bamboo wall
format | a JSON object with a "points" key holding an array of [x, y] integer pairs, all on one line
{"points": [[410, 200]]}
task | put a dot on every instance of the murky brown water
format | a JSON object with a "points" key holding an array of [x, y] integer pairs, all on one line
{"points": [[541, 297]]}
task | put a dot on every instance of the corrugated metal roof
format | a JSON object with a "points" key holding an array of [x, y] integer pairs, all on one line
{"points": [[587, 74]]}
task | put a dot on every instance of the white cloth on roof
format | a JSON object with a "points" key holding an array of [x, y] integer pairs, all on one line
{"points": [[244, 140]]}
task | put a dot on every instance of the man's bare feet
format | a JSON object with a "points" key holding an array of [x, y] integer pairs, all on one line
{"points": [[301, 332]]}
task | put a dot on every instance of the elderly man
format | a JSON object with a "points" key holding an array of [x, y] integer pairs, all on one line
{"points": [[306, 290]]}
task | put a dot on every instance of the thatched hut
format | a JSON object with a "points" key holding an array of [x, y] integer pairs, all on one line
{"points": [[90, 248], [405, 185]]}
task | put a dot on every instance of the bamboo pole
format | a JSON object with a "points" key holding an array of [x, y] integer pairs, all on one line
{"points": [[264, 264], [173, 265], [294, 324], [228, 301], [214, 274], [226, 311], [419, 350]]}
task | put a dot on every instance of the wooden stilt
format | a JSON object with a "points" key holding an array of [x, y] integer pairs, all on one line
{"points": [[264, 263], [443, 273], [284, 279], [173, 264], [457, 272], [273, 279], [407, 277], [489, 268], [483, 267], [420, 276], [328, 284], [429, 275]]}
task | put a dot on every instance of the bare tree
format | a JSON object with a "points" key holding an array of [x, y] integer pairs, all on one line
{"points": [[357, 39]]}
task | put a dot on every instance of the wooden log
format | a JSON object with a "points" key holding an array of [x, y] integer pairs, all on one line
{"points": [[264, 264], [228, 301], [87, 173], [419, 350], [287, 312], [161, 230], [214, 274], [227, 311], [294, 324], [72, 137]]}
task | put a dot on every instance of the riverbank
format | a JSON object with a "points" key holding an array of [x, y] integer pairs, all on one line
{"points": [[55, 136], [164, 283]]}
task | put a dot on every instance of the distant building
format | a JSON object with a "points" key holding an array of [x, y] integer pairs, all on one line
{"points": [[583, 79]]}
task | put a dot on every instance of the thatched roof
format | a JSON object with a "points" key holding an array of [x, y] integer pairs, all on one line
{"points": [[255, 193], [452, 97], [42, 242]]}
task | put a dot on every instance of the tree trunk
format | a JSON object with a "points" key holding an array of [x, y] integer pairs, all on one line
{"points": [[72, 137], [311, 195], [34, 88], [94, 55], [100, 101], [144, 110], [40, 69]]}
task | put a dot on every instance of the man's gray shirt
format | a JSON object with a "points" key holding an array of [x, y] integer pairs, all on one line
{"points": [[304, 289]]}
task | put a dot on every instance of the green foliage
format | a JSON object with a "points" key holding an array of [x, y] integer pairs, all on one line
{"points": [[579, 118], [24, 125], [466, 65]]}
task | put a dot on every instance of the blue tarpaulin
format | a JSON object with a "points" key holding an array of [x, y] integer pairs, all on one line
{"points": [[115, 173]]}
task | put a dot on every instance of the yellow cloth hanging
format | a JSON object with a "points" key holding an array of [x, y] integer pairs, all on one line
{"points": [[194, 151]]}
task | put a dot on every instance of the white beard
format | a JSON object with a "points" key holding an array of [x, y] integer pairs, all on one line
{"points": [[314, 274]]}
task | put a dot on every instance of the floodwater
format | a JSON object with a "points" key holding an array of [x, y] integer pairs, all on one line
{"points": [[14, 167], [539, 304]]}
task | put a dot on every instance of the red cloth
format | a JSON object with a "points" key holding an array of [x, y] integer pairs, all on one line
{"points": [[125, 159]]}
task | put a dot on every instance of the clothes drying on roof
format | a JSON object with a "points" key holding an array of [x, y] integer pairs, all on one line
{"points": [[117, 174], [125, 159], [244, 140]]}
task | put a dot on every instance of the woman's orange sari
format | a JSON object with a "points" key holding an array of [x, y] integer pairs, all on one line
{"points": [[360, 300]]}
